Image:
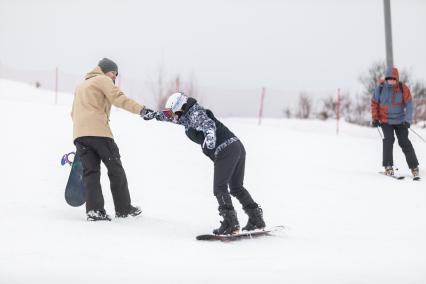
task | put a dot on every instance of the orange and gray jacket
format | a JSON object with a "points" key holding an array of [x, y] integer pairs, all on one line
{"points": [[392, 104], [92, 105]]}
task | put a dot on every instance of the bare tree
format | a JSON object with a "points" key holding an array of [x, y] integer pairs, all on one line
{"points": [[157, 88], [369, 81], [374, 74], [191, 89], [287, 113], [329, 106], [162, 87], [358, 113], [418, 91], [304, 106], [172, 86]]}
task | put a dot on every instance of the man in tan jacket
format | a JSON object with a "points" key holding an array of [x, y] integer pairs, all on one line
{"points": [[94, 140]]}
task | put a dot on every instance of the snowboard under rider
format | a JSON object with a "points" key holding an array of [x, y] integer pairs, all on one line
{"points": [[94, 140], [392, 110], [225, 150]]}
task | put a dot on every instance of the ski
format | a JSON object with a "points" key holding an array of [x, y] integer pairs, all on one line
{"points": [[394, 176], [241, 235]]}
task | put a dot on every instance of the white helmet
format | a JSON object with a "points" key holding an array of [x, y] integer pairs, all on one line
{"points": [[176, 101]]}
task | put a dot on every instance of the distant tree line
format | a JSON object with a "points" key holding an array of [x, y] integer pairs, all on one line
{"points": [[165, 85], [356, 109]]}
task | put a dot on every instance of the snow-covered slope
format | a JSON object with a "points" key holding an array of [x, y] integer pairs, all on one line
{"points": [[345, 223]]}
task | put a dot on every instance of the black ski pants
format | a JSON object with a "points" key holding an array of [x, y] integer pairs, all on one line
{"points": [[229, 167], [402, 134], [92, 151]]}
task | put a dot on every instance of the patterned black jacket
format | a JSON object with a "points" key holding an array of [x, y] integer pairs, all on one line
{"points": [[202, 127]]}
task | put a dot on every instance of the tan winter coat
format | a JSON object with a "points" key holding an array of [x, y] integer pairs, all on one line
{"points": [[92, 105]]}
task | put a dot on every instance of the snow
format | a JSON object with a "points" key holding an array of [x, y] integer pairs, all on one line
{"points": [[345, 223]]}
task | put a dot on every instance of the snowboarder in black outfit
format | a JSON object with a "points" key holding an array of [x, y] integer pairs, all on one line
{"points": [[225, 150]]}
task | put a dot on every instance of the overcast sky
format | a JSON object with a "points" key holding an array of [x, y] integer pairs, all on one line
{"points": [[306, 45]]}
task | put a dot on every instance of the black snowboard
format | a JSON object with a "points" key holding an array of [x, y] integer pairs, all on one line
{"points": [[75, 192], [241, 235]]}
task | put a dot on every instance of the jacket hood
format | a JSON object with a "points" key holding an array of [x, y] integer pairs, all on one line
{"points": [[189, 103], [393, 73], [95, 72]]}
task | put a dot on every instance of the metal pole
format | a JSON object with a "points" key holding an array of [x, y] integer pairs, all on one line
{"points": [[418, 135], [262, 98], [56, 85], [380, 133], [388, 33]]}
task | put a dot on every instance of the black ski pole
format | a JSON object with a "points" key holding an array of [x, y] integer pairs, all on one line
{"points": [[418, 135]]}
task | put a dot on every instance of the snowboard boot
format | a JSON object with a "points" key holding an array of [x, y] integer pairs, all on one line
{"points": [[98, 215], [255, 221], [389, 171], [416, 173], [133, 211], [229, 225]]}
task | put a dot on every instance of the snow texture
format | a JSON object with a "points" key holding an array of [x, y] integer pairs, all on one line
{"points": [[346, 223]]}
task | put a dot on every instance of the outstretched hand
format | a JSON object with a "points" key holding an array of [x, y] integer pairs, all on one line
{"points": [[150, 114], [147, 114]]}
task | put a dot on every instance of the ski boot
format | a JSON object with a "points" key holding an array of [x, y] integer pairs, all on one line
{"points": [[389, 171], [133, 211], [229, 225], [98, 215], [255, 221], [416, 173]]}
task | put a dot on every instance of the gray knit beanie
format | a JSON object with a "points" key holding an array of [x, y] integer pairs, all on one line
{"points": [[108, 65]]}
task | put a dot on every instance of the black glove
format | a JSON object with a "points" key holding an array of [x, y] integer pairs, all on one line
{"points": [[159, 116], [150, 114], [145, 112], [406, 124], [375, 123]]}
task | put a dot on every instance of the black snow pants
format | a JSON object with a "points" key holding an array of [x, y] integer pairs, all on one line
{"points": [[402, 134], [229, 167], [92, 151]]}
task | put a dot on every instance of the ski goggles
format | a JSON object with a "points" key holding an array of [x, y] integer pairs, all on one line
{"points": [[168, 113]]}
